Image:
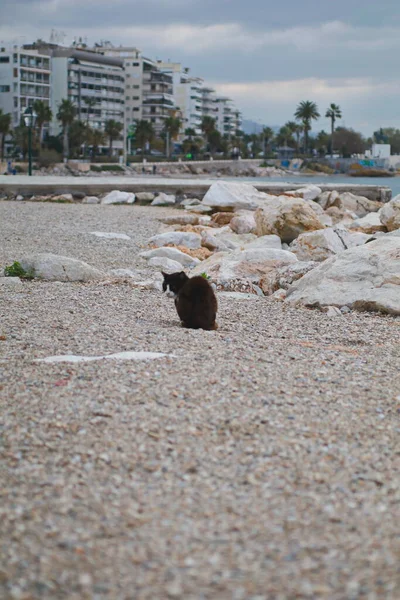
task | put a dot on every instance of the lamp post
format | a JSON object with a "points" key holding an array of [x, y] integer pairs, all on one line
{"points": [[30, 119]]}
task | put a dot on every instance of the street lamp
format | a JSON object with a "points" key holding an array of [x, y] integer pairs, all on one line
{"points": [[30, 120]]}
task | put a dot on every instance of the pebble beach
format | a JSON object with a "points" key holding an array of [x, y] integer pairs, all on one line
{"points": [[257, 462]]}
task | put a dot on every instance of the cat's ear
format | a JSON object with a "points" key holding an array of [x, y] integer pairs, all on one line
{"points": [[182, 275], [163, 274]]}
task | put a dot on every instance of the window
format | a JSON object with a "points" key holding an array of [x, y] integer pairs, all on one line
{"points": [[135, 65], [15, 72], [15, 102], [127, 64], [128, 87], [4, 59], [136, 108], [127, 75], [4, 88], [15, 58], [136, 87], [127, 97], [135, 98]]}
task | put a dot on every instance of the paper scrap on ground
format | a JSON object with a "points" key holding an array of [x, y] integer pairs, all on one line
{"points": [[111, 236], [71, 358]]}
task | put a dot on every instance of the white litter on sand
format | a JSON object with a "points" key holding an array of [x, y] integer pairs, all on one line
{"points": [[130, 355]]}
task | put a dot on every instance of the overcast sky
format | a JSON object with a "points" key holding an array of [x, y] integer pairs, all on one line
{"points": [[267, 55]]}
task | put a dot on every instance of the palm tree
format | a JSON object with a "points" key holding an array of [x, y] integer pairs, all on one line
{"points": [[44, 115], [144, 134], [190, 132], [66, 115], [333, 113], [5, 129], [306, 112], [172, 126], [113, 130], [284, 137], [267, 135], [90, 103], [95, 138], [207, 126]]}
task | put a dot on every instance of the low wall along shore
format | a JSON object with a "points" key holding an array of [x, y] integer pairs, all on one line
{"points": [[92, 186]]}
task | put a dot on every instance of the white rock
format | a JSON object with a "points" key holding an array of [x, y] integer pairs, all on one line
{"points": [[181, 219], [19, 197], [279, 295], [177, 238], [117, 197], [363, 278], [145, 197], [283, 277], [174, 254], [243, 223], [199, 209], [63, 198], [309, 192], [190, 202], [287, 218], [395, 233], [53, 267], [357, 204], [212, 242], [224, 195], [332, 311], [71, 358], [110, 236], [204, 220], [244, 265], [368, 224], [326, 199], [165, 264], [91, 200], [163, 200], [390, 214], [265, 241], [324, 243]]}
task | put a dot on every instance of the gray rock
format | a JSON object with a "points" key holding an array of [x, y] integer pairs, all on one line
{"points": [[180, 219], [267, 241], [224, 195], [287, 218], [390, 214], [363, 278], [165, 264], [243, 223], [174, 254], [324, 243], [10, 284], [371, 223], [163, 200], [91, 200], [53, 267], [117, 197], [177, 238], [145, 197]]}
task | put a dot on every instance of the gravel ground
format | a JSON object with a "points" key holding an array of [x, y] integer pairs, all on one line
{"points": [[259, 462]]}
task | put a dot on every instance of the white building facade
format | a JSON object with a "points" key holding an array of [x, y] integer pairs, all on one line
{"points": [[25, 76]]}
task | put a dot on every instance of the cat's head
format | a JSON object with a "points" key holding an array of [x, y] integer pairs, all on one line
{"points": [[173, 283]]}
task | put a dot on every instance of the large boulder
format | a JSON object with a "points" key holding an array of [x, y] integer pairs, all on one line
{"points": [[145, 196], [243, 223], [356, 204], [326, 199], [172, 253], [243, 265], [283, 277], [227, 196], [165, 264], [265, 241], [371, 223], [324, 243], [176, 238], [390, 214], [117, 197], [287, 218], [53, 267], [362, 278], [309, 192]]}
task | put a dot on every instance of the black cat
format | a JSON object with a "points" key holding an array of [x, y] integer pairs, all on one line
{"points": [[195, 300]]}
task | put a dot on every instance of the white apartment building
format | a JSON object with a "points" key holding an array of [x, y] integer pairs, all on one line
{"points": [[187, 93], [228, 118], [148, 91], [25, 76], [81, 76]]}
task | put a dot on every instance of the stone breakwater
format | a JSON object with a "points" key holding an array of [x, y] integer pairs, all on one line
{"points": [[334, 250]]}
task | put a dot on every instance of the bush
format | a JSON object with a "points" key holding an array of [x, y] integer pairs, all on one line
{"points": [[17, 270], [100, 168], [48, 158]]}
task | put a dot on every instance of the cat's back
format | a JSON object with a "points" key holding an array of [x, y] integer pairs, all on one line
{"points": [[198, 287]]}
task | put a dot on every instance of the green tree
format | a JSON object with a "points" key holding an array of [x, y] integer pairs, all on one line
{"points": [[306, 112], [95, 138], [78, 135], [172, 126], [113, 130], [322, 142], [20, 137], [144, 134], [215, 141], [285, 137], [207, 126], [333, 113], [350, 142], [190, 132], [267, 135], [90, 104], [43, 115], [5, 129], [66, 115]]}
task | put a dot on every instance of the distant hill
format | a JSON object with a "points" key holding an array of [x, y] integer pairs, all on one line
{"points": [[249, 126]]}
